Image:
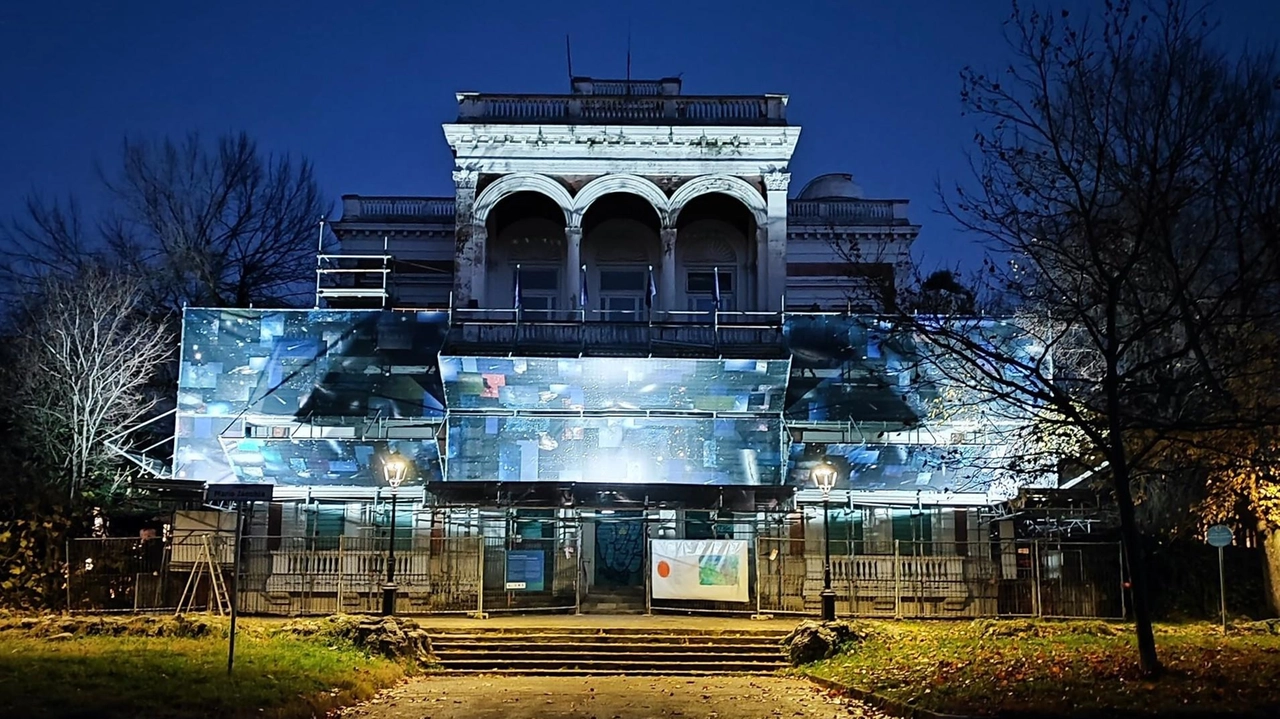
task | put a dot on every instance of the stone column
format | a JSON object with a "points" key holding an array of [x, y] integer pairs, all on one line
{"points": [[573, 264], [465, 239], [479, 263], [667, 284], [775, 258], [762, 268]]}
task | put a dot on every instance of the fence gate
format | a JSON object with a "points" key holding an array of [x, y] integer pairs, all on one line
{"points": [[782, 572], [534, 569]]}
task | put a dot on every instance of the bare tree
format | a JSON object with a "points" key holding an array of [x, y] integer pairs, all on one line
{"points": [[83, 351], [1127, 182], [221, 225]]}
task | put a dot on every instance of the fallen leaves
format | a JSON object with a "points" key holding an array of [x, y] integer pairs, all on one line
{"points": [[1049, 666]]}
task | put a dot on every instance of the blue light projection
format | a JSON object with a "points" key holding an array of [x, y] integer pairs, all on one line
{"points": [[278, 396], [614, 383], [640, 450]]}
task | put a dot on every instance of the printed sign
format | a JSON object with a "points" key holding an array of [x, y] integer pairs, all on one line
{"points": [[712, 569], [238, 493], [525, 570]]}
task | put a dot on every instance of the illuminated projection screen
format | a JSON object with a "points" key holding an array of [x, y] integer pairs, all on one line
{"points": [[900, 467], [614, 383], [651, 450], [863, 369], [710, 570], [280, 396], [306, 363]]}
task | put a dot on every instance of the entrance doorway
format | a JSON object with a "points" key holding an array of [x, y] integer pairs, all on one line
{"points": [[614, 564], [619, 548]]}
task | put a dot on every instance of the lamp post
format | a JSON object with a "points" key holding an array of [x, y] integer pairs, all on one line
{"points": [[824, 476], [393, 469]]}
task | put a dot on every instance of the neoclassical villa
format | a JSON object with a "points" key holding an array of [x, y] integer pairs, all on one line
{"points": [[626, 341]]}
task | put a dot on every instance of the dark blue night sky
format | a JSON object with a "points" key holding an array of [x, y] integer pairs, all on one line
{"points": [[362, 87]]}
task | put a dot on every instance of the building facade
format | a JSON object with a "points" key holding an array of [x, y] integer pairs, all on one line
{"points": [[623, 345], [620, 177]]}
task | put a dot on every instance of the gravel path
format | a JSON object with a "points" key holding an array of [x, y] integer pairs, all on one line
{"points": [[608, 697]]}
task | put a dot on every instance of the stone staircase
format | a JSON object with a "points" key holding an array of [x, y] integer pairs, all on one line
{"points": [[632, 651]]}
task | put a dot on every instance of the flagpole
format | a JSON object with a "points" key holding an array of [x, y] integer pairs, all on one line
{"points": [[715, 277], [649, 293]]}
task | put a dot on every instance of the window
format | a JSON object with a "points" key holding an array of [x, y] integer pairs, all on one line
{"points": [[913, 531], [698, 525], [701, 290], [539, 288], [622, 294]]}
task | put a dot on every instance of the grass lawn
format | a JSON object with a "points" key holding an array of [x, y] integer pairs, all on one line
{"points": [[1061, 668], [166, 677]]}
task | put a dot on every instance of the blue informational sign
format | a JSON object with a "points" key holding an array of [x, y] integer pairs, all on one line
{"points": [[525, 570], [1220, 535]]}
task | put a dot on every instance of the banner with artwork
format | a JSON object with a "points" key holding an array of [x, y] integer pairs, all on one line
{"points": [[708, 569]]}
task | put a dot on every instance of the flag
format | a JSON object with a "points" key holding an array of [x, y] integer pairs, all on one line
{"points": [[715, 274], [652, 290], [517, 305], [582, 287]]}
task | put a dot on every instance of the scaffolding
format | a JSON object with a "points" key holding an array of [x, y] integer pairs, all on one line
{"points": [[352, 281]]}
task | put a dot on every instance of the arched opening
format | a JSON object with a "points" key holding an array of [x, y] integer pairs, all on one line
{"points": [[620, 242], [526, 230], [716, 252]]}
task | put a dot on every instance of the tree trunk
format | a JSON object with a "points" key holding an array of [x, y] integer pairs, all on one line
{"points": [[1271, 564], [1147, 657]]}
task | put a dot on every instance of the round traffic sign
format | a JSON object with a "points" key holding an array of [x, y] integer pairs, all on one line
{"points": [[1219, 535]]}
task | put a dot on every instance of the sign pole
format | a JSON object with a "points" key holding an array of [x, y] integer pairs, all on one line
{"points": [[240, 494], [1220, 535], [235, 587], [1222, 589]]}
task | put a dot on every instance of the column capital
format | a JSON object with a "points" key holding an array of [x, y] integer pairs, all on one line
{"points": [[777, 180], [465, 179]]}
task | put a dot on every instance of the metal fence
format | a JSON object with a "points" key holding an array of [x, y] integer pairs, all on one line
{"points": [[298, 575], [1032, 578], [470, 575]]}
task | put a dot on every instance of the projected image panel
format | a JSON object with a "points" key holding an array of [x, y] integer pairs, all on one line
{"points": [[624, 450], [900, 467], [864, 369], [216, 450], [848, 368], [311, 363], [331, 462], [614, 383]]}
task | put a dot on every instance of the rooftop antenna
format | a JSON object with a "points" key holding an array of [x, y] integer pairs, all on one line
{"points": [[568, 51], [628, 58]]}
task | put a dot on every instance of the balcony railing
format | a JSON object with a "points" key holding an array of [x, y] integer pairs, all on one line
{"points": [[847, 212], [398, 209], [428, 210], [729, 334], [623, 110]]}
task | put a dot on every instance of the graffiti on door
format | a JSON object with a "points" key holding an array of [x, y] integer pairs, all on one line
{"points": [[620, 552]]}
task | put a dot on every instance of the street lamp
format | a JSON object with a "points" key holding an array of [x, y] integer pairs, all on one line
{"points": [[824, 476], [393, 470]]}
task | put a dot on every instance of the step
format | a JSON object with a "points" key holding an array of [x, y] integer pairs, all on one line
{"points": [[579, 657], [616, 665], [638, 632], [577, 672], [555, 635], [442, 647]]}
